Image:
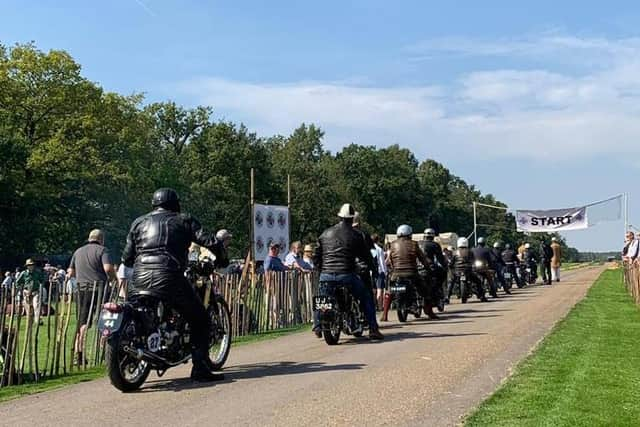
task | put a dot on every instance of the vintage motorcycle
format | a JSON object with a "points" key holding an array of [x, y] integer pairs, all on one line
{"points": [[407, 300], [145, 333], [339, 312]]}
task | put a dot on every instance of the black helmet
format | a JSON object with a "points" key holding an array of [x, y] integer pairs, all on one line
{"points": [[166, 198]]}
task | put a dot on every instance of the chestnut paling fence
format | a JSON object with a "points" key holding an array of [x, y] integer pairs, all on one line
{"points": [[632, 280], [34, 348]]}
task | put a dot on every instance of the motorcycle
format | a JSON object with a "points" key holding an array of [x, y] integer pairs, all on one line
{"points": [[509, 275], [528, 271], [339, 312], [482, 271], [462, 285], [145, 333], [407, 299]]}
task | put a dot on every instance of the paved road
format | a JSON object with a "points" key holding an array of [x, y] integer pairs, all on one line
{"points": [[424, 373]]}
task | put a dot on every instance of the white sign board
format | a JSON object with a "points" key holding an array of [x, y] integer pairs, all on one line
{"points": [[549, 221], [270, 224]]}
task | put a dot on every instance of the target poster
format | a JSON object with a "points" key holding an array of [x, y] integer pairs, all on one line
{"points": [[270, 224]]}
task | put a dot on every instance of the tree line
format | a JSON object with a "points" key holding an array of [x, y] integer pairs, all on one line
{"points": [[75, 157]]}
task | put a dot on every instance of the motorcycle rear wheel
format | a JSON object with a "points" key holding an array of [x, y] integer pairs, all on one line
{"points": [[332, 334], [402, 315], [125, 372], [220, 339], [463, 292]]}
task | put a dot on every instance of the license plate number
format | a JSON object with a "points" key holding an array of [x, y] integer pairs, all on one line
{"points": [[398, 288], [322, 303], [109, 321]]}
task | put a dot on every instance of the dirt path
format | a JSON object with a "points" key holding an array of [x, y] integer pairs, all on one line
{"points": [[424, 373]]}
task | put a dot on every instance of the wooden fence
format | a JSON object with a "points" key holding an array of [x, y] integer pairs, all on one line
{"points": [[632, 280], [33, 348]]}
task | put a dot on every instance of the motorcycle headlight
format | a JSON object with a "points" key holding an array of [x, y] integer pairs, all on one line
{"points": [[479, 264]]}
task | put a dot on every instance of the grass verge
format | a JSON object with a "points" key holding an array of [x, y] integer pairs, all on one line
{"points": [[585, 373]]}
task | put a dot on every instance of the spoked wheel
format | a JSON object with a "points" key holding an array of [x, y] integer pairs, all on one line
{"points": [[126, 372], [220, 338], [332, 333]]}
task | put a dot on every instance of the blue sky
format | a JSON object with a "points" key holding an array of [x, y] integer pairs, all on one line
{"points": [[536, 104]]}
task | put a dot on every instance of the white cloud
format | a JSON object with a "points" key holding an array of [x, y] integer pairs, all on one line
{"points": [[534, 113]]}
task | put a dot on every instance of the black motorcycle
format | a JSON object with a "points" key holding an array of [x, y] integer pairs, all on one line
{"points": [[404, 294], [528, 273], [145, 333], [509, 275], [339, 312], [462, 285]]}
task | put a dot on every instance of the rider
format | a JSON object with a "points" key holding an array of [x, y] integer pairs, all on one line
{"points": [[433, 252], [404, 255], [463, 263], [157, 244], [482, 253], [510, 260], [529, 260], [496, 256], [335, 257]]}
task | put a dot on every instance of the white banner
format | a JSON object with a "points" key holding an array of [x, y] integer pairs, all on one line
{"points": [[553, 220], [270, 224]]}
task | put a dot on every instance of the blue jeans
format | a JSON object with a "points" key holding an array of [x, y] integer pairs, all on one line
{"points": [[380, 281], [357, 289]]}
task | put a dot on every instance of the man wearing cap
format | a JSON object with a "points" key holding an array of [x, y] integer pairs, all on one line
{"points": [[293, 260], [273, 262], [556, 259], [30, 283], [336, 256], [92, 268]]}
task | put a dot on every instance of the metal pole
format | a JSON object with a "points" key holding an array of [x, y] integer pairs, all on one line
{"points": [[475, 225], [626, 212], [252, 261]]}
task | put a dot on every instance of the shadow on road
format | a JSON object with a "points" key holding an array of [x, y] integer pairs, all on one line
{"points": [[250, 371], [405, 335]]}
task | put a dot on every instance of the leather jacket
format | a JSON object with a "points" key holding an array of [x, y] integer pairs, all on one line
{"points": [[433, 251], [509, 255], [483, 253], [337, 250], [463, 260], [160, 240], [496, 257], [404, 257], [546, 253]]}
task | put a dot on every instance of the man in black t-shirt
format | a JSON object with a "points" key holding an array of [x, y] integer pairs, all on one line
{"points": [[92, 268]]}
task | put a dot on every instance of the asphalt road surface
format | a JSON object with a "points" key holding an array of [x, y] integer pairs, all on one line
{"points": [[425, 373]]}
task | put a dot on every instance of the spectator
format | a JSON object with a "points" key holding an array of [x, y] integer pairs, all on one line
{"points": [[380, 258], [307, 256], [272, 262], [222, 261], [293, 260], [556, 259], [30, 283], [91, 266], [7, 282], [125, 280], [632, 249]]}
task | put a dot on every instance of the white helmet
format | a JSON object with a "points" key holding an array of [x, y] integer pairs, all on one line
{"points": [[223, 234], [430, 232], [404, 231], [527, 245], [553, 239], [347, 211], [463, 242]]}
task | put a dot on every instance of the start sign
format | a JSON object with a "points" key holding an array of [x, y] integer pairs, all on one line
{"points": [[552, 220]]}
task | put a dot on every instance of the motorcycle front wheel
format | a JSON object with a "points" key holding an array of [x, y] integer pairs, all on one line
{"points": [[331, 332], [220, 334], [126, 372]]}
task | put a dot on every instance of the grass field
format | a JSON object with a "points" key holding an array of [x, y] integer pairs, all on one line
{"points": [[585, 373]]}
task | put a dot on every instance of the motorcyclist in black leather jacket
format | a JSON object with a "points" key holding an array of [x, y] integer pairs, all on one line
{"points": [[498, 263], [364, 269], [511, 262], [462, 262], [156, 247], [483, 253], [335, 256], [437, 273]]}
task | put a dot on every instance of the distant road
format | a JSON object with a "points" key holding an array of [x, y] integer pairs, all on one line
{"points": [[424, 373]]}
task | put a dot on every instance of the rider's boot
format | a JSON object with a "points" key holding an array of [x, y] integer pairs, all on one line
{"points": [[386, 305], [428, 309], [374, 334], [202, 367]]}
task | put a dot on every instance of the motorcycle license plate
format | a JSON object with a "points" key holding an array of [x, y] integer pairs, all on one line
{"points": [[507, 275], [322, 303], [109, 321], [396, 289]]}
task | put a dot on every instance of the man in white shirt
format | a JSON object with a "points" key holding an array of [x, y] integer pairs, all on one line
{"points": [[379, 256], [633, 249]]}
